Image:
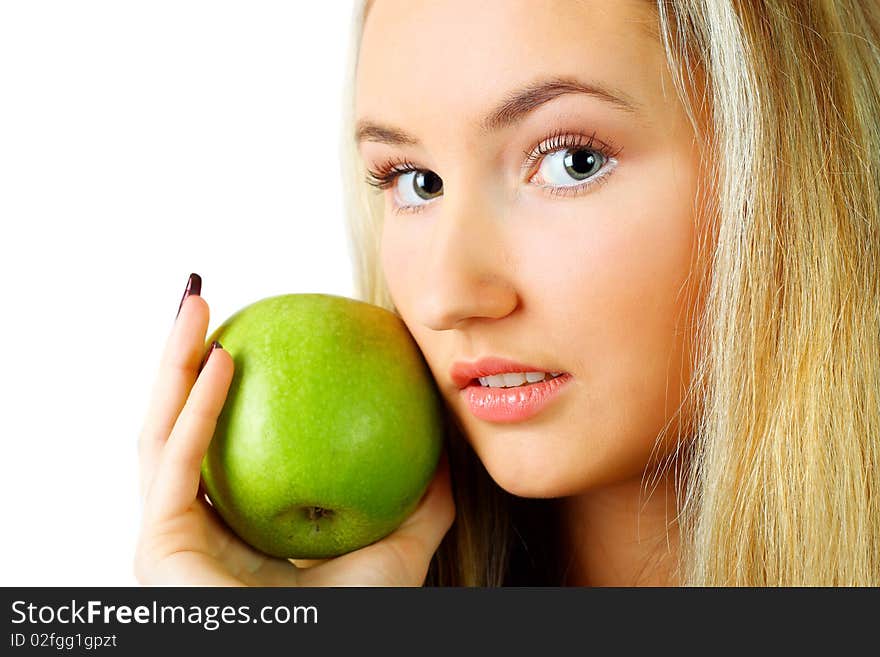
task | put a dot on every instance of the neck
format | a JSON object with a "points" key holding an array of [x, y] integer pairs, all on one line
{"points": [[623, 534]]}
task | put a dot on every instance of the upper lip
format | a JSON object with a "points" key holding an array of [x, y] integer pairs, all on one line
{"points": [[462, 373]]}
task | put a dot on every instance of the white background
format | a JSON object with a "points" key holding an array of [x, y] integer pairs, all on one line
{"points": [[140, 141]]}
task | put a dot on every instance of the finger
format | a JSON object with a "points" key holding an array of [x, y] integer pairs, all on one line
{"points": [[307, 563], [178, 371], [175, 484], [417, 539]]}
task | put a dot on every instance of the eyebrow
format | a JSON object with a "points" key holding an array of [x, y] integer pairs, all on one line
{"points": [[512, 109]]}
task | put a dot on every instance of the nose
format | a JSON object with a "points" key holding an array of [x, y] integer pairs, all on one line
{"points": [[466, 273]]}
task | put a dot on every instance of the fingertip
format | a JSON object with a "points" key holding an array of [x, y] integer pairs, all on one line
{"points": [[212, 348], [221, 350], [190, 325], [197, 303], [225, 361], [221, 363]]}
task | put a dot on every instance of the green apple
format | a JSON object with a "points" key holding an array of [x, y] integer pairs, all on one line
{"points": [[331, 429]]}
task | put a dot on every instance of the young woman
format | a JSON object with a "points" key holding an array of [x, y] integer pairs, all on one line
{"points": [[666, 212]]}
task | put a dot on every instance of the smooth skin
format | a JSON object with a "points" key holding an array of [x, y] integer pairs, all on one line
{"points": [[184, 542]]}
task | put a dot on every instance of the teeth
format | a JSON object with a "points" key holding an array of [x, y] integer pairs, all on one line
{"points": [[514, 379]]}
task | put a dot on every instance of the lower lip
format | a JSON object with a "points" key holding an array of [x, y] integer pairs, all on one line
{"points": [[512, 404]]}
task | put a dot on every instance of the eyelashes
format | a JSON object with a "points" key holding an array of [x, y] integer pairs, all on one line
{"points": [[560, 140], [387, 172]]}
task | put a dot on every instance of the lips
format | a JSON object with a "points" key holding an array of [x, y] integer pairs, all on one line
{"points": [[506, 405], [464, 373]]}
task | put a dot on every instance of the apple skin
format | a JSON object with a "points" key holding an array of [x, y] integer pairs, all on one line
{"points": [[331, 430]]}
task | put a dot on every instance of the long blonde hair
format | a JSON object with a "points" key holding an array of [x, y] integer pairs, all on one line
{"points": [[782, 485]]}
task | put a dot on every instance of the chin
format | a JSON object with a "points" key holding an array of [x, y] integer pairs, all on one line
{"points": [[525, 477], [531, 490], [546, 469]]}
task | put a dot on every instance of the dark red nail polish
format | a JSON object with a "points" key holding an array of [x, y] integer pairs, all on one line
{"points": [[193, 286], [214, 345]]}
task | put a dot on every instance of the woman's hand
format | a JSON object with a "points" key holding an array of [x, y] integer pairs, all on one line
{"points": [[184, 542]]}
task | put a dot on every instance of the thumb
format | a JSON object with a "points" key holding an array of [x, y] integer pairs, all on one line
{"points": [[417, 539], [436, 510]]}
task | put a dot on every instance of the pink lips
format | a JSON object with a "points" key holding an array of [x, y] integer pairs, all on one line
{"points": [[505, 404]]}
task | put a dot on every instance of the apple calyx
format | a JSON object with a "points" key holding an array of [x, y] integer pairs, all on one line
{"points": [[316, 513]]}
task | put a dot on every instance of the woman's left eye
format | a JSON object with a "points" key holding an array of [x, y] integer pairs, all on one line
{"points": [[570, 167]]}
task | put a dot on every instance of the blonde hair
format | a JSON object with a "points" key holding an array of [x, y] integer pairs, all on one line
{"points": [[782, 484]]}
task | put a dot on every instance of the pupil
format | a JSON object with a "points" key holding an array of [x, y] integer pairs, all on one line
{"points": [[580, 163], [427, 183]]}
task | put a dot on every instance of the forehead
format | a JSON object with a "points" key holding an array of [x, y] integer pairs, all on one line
{"points": [[441, 58]]}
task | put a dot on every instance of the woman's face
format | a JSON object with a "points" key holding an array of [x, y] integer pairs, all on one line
{"points": [[548, 220]]}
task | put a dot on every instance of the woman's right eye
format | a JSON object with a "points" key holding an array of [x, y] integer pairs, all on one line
{"points": [[415, 188], [412, 187]]}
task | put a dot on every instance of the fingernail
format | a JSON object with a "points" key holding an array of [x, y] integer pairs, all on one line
{"points": [[214, 345], [193, 286]]}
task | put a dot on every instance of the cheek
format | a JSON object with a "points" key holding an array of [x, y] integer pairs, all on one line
{"points": [[610, 272], [615, 288], [638, 291], [397, 257], [639, 287]]}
